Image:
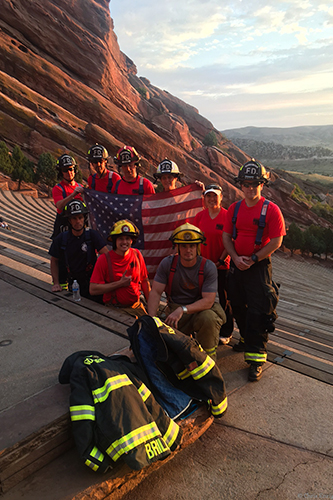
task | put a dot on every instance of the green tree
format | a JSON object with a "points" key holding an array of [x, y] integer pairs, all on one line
{"points": [[46, 171], [312, 241], [327, 238], [294, 238], [78, 175], [5, 163], [23, 169], [210, 139]]}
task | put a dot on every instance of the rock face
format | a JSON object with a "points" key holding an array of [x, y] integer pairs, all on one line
{"points": [[65, 84]]}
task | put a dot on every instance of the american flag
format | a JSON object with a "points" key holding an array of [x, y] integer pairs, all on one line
{"points": [[155, 215]]}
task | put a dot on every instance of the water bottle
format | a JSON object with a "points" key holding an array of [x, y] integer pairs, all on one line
{"points": [[76, 291]]}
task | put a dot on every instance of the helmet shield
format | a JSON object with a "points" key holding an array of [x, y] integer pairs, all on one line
{"points": [[167, 167], [252, 171], [75, 207], [97, 153], [125, 155], [187, 233]]}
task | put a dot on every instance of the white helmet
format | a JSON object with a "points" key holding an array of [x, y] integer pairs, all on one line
{"points": [[167, 167]]}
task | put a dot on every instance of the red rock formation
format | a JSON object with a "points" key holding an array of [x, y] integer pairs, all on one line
{"points": [[65, 84]]}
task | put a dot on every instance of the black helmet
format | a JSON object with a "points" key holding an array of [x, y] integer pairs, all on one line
{"points": [[97, 153], [252, 171], [75, 207], [64, 162]]}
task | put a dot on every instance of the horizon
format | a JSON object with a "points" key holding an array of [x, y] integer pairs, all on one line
{"points": [[240, 65]]}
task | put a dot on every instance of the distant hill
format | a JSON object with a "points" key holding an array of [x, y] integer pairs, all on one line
{"points": [[297, 149], [316, 136]]}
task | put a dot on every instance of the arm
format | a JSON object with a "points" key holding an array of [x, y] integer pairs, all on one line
{"points": [[222, 257], [54, 266], [155, 297], [268, 249], [206, 302], [101, 288], [63, 202], [145, 287], [103, 250]]}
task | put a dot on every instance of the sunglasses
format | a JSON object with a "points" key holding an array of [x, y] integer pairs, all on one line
{"points": [[213, 186], [251, 184], [70, 169]]}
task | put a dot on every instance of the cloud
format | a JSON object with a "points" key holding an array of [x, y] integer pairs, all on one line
{"points": [[228, 56]]}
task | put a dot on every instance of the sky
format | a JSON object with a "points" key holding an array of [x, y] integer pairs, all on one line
{"points": [[239, 62]]}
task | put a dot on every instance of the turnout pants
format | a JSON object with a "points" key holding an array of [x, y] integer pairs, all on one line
{"points": [[254, 297], [204, 325]]}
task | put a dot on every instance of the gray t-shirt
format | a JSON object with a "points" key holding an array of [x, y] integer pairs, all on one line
{"points": [[185, 284]]}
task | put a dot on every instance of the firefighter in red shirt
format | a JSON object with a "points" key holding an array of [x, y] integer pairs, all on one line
{"points": [[128, 162], [253, 230], [102, 179], [65, 191], [121, 274]]}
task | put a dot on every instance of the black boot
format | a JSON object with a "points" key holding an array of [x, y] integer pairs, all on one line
{"points": [[255, 372]]}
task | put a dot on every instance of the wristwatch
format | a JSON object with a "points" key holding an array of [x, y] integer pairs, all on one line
{"points": [[254, 257], [184, 309], [221, 261]]}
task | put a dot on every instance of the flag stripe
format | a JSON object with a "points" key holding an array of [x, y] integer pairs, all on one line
{"points": [[156, 216]]}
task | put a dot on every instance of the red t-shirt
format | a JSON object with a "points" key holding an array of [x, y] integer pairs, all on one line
{"points": [[135, 266], [102, 184], [125, 187], [57, 192], [247, 225], [212, 229]]}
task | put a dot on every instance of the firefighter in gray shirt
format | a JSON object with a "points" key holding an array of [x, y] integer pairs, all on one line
{"points": [[190, 282]]}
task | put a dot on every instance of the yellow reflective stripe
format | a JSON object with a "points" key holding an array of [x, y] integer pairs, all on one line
{"points": [[183, 375], [82, 412], [144, 392], [255, 357], [157, 321], [93, 466], [220, 408], [171, 434], [202, 369], [211, 351], [111, 384], [97, 454], [132, 440]]}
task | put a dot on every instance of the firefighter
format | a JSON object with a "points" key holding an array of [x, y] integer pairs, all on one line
{"points": [[168, 174], [253, 230], [76, 248], [190, 282], [131, 182], [121, 274], [65, 191], [102, 179], [211, 222]]}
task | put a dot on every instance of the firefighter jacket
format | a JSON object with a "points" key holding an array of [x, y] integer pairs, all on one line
{"points": [[113, 413], [183, 361]]}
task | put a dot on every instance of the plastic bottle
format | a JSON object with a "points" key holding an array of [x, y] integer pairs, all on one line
{"points": [[76, 291]]}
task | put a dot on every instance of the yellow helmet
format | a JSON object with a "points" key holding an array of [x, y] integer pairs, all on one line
{"points": [[123, 227], [187, 233]]}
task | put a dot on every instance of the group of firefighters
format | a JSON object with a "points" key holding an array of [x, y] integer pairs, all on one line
{"points": [[221, 271]]}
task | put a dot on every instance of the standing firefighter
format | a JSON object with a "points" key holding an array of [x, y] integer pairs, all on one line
{"points": [[253, 230], [131, 182], [103, 180], [190, 282], [66, 191], [168, 174]]}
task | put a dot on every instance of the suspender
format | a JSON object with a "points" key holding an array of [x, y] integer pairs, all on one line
{"points": [[261, 225], [173, 270], [141, 188], [109, 185], [64, 195], [111, 276]]}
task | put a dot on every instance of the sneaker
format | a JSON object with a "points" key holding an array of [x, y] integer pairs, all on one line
{"points": [[240, 347], [255, 372], [224, 340]]}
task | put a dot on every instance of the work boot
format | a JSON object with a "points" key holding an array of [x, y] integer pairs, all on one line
{"points": [[239, 347], [255, 372]]}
